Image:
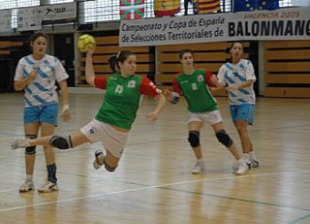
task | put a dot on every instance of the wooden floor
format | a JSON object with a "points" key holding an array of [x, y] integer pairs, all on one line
{"points": [[153, 183]]}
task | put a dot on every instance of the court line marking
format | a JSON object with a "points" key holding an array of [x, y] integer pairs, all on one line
{"points": [[237, 199], [144, 188], [299, 219]]}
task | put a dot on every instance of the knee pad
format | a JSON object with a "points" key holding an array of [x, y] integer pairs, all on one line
{"points": [[109, 168], [61, 142], [193, 138], [224, 138], [32, 149]]}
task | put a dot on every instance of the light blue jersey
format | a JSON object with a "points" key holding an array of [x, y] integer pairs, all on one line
{"points": [[235, 75], [42, 90]]}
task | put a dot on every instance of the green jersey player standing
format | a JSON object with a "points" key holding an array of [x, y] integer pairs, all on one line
{"points": [[202, 106]]}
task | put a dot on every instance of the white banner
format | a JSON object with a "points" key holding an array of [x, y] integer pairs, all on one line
{"points": [[63, 13], [282, 24], [5, 20], [28, 19], [33, 18]]}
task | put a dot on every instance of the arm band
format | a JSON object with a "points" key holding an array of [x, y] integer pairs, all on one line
{"points": [[175, 98]]}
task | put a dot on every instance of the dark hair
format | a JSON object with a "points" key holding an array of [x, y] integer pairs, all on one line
{"points": [[120, 57], [231, 46], [35, 36], [233, 43], [186, 50]]}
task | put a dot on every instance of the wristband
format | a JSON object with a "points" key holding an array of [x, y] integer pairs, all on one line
{"points": [[65, 107]]}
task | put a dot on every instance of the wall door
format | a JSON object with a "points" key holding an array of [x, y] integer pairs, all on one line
{"points": [[64, 50]]}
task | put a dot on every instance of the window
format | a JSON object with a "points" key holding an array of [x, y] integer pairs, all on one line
{"points": [[14, 4], [107, 10], [59, 1]]}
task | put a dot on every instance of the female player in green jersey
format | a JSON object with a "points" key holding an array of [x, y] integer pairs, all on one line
{"points": [[114, 119], [194, 85]]}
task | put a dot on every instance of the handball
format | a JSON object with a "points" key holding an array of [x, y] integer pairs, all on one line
{"points": [[86, 42]]}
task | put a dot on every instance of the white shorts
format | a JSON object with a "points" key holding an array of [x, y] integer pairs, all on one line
{"points": [[212, 117], [113, 140]]}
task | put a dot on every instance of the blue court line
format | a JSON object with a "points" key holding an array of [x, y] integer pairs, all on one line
{"points": [[299, 219]]}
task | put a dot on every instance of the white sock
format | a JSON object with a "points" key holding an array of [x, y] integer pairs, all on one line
{"points": [[29, 177], [252, 155], [246, 157], [200, 160]]}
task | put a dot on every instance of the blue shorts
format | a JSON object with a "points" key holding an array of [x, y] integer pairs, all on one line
{"points": [[242, 112], [43, 114]]}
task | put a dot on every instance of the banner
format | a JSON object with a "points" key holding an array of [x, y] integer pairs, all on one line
{"points": [[62, 13], [5, 20], [131, 9], [282, 24], [29, 19], [33, 18]]}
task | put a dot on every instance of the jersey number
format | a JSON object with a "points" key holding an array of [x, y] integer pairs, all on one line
{"points": [[119, 89], [194, 86]]}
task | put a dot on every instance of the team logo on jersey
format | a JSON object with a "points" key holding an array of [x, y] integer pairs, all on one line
{"points": [[132, 84], [185, 81], [200, 78]]}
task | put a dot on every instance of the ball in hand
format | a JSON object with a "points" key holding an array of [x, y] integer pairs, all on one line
{"points": [[86, 42]]}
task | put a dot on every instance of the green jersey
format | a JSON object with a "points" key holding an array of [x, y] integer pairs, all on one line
{"points": [[196, 91], [122, 98]]}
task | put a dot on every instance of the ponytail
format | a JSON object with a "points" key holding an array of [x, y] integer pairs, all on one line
{"points": [[113, 64], [120, 57]]}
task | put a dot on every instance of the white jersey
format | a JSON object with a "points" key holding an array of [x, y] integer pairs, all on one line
{"points": [[236, 74], [42, 90]]}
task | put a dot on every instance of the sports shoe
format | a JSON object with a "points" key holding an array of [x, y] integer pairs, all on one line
{"points": [[199, 167], [20, 143], [243, 167], [99, 158], [254, 163], [235, 166], [48, 187], [27, 186]]}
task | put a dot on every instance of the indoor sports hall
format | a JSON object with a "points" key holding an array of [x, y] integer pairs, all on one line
{"points": [[153, 183]]}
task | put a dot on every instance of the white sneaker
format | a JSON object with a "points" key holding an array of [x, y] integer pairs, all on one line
{"points": [[254, 163], [243, 168], [235, 166], [20, 143], [253, 159], [99, 158], [199, 167], [27, 186], [48, 187]]}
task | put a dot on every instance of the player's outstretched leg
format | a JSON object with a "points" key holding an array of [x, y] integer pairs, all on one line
{"points": [[99, 159]]}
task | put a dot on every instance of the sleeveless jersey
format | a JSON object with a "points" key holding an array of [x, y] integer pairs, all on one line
{"points": [[42, 90], [122, 98], [196, 91]]}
